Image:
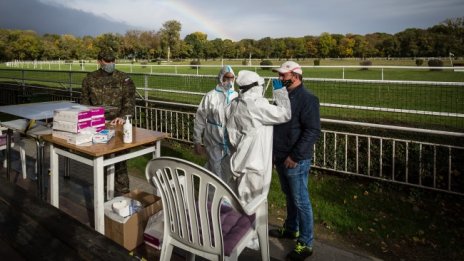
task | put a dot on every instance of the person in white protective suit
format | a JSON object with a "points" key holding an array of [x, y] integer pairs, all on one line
{"points": [[209, 124], [250, 119]]}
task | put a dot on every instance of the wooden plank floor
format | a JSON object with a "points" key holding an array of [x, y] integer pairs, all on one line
{"points": [[76, 199]]}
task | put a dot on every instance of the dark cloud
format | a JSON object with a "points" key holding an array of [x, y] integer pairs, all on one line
{"points": [[42, 18]]}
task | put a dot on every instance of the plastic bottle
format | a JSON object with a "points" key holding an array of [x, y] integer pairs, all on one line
{"points": [[127, 130]]}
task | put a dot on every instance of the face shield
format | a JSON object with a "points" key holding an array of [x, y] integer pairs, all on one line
{"points": [[247, 80], [226, 77]]}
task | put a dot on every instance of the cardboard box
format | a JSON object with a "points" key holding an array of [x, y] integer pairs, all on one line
{"points": [[72, 115], [130, 233], [74, 127], [97, 112]]}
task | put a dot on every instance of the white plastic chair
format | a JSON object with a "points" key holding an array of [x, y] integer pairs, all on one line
{"points": [[22, 151], [201, 213]]}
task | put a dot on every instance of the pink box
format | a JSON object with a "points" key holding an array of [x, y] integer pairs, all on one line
{"points": [[97, 121], [99, 127], [97, 112], [74, 127], [71, 115]]}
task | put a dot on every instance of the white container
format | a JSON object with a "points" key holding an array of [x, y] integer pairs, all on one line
{"points": [[127, 130]]}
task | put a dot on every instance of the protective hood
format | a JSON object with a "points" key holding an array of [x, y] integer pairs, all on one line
{"points": [[223, 85], [223, 71], [250, 82]]}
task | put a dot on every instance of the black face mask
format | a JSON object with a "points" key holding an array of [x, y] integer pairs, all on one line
{"points": [[287, 83]]}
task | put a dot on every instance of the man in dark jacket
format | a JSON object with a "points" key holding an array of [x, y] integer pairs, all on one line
{"points": [[114, 90], [292, 153]]}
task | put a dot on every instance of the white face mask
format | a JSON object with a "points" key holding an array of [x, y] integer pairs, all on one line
{"points": [[228, 85]]}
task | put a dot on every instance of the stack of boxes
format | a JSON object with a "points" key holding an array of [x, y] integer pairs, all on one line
{"points": [[97, 118], [78, 123]]}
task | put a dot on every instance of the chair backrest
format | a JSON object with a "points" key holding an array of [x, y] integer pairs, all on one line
{"points": [[193, 200]]}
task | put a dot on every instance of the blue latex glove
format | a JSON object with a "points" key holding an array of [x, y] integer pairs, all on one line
{"points": [[277, 84]]}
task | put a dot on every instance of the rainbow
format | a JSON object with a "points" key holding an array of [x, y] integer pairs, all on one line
{"points": [[188, 11]]}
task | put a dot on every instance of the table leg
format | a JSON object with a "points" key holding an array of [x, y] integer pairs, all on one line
{"points": [[41, 179], [110, 182], [67, 168], [158, 149], [9, 134], [99, 194], [54, 178]]}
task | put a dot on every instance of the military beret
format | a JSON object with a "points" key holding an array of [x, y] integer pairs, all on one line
{"points": [[106, 55]]}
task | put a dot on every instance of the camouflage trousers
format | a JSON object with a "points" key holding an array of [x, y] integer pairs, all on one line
{"points": [[121, 178]]}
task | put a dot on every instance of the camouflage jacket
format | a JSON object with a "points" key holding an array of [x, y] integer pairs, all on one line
{"points": [[102, 89]]}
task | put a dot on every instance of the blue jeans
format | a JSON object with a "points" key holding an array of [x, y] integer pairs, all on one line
{"points": [[294, 184]]}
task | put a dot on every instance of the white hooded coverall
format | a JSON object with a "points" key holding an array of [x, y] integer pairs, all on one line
{"points": [[250, 120], [209, 124]]}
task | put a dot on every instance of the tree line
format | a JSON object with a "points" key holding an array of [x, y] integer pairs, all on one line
{"points": [[441, 40]]}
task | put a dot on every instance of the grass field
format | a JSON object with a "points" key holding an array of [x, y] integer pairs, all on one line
{"points": [[415, 97], [211, 67]]}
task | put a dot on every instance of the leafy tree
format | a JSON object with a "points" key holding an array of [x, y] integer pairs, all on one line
{"points": [[228, 49], [90, 50], [311, 44], [184, 50], [215, 48], [246, 48], [361, 46], [170, 38], [131, 44], [265, 45], [109, 41], [198, 42], [279, 48], [326, 44], [27, 46], [149, 42], [346, 46]]}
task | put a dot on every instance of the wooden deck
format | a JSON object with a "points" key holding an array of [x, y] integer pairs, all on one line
{"points": [[31, 229], [76, 204], [76, 194]]}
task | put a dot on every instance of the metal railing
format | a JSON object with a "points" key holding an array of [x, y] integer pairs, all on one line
{"points": [[409, 162], [419, 104], [414, 162]]}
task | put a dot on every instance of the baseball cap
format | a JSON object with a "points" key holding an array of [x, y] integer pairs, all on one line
{"points": [[289, 66], [106, 55]]}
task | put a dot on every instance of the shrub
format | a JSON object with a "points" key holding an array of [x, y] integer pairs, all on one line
{"points": [[435, 63], [266, 63], [365, 63], [317, 62], [195, 63], [244, 62], [419, 62]]}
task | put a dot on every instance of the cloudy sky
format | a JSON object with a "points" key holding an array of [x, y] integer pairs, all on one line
{"points": [[238, 19]]}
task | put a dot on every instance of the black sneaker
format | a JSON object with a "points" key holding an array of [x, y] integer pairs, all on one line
{"points": [[284, 233], [300, 252]]}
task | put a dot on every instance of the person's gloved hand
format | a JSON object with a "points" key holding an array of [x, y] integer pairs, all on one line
{"points": [[277, 84]]}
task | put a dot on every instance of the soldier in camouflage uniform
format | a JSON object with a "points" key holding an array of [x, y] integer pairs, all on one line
{"points": [[110, 87]]}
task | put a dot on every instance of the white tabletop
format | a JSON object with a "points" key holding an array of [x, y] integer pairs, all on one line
{"points": [[21, 126], [36, 111]]}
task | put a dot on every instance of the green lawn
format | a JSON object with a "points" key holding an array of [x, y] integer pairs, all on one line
{"points": [[446, 98]]}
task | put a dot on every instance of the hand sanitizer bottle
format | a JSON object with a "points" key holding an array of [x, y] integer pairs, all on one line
{"points": [[127, 130]]}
